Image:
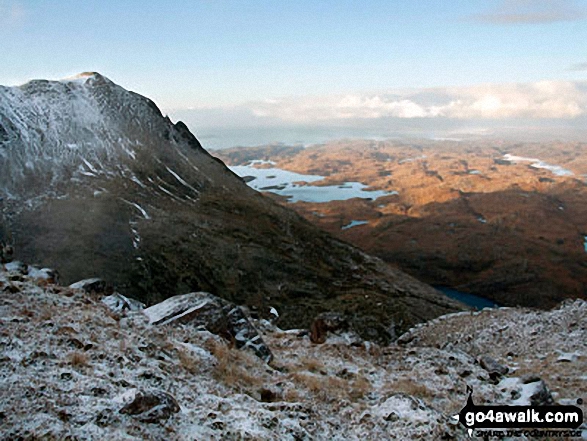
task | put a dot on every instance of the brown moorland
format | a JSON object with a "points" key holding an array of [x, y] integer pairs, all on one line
{"points": [[465, 216]]}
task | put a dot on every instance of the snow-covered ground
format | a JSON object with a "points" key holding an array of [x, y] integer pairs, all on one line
{"points": [[69, 365]]}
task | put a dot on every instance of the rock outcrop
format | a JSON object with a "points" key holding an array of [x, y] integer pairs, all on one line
{"points": [[223, 318], [151, 406]]}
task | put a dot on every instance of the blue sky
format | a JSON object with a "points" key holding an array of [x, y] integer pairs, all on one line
{"points": [[214, 53]]}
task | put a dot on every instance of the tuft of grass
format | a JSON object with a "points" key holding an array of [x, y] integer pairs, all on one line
{"points": [[312, 364], [236, 368], [325, 388], [410, 387], [78, 359], [187, 361]]}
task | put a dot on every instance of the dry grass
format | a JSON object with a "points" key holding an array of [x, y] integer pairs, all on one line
{"points": [[122, 345], [236, 368], [410, 387], [78, 359], [311, 364], [187, 361], [359, 387], [324, 388]]}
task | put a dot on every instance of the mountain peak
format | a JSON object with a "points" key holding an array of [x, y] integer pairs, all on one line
{"points": [[95, 181]]}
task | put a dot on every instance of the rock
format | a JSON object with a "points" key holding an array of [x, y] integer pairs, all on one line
{"points": [[541, 395], [6, 253], [495, 369], [244, 333], [370, 328], [151, 406], [268, 395], [218, 316], [16, 267], [332, 323], [91, 286], [119, 303], [43, 274]]}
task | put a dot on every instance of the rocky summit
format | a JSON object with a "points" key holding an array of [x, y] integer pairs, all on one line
{"points": [[96, 182]]}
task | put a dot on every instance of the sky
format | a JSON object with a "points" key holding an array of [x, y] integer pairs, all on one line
{"points": [[262, 61]]}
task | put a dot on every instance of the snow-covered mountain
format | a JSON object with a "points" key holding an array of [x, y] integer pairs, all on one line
{"points": [[95, 181]]}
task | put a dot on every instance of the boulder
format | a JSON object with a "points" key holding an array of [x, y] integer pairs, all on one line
{"points": [[540, 394], [217, 315], [118, 303], [332, 323], [47, 275], [244, 333], [6, 253], [16, 267], [91, 286], [495, 369], [151, 406]]}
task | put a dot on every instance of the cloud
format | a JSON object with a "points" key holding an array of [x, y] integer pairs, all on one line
{"points": [[578, 67], [532, 12], [540, 100], [12, 14]]}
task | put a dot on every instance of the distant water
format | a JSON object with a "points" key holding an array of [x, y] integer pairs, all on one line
{"points": [[290, 185], [355, 223], [216, 139], [466, 298]]}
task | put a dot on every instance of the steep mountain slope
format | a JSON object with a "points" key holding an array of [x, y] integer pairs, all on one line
{"points": [[95, 181]]}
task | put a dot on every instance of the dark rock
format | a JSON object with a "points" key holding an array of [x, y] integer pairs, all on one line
{"points": [[530, 378], [541, 395], [12, 289], [151, 406], [267, 395], [6, 252], [244, 333], [325, 323], [120, 304], [98, 391], [16, 267], [492, 366], [91, 286], [216, 315], [47, 275], [465, 373]]}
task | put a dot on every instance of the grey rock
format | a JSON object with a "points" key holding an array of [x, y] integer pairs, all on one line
{"points": [[494, 368], [119, 303], [91, 286], [333, 323], [151, 406], [218, 316], [16, 267]]}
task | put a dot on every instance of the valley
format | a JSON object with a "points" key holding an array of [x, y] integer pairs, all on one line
{"points": [[505, 221]]}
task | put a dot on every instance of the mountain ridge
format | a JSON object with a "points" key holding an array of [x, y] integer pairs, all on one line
{"points": [[95, 181]]}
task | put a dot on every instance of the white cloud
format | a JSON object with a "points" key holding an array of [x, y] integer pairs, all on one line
{"points": [[545, 99]]}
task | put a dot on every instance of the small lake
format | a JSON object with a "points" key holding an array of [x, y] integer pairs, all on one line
{"points": [[293, 185], [466, 298]]}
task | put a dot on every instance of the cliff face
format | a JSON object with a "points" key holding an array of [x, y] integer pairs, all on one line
{"points": [[95, 181]]}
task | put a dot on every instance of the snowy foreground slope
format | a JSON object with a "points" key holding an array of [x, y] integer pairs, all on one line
{"points": [[72, 369], [95, 181]]}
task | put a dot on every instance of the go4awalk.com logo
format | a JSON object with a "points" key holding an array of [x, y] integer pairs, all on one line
{"points": [[520, 420]]}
